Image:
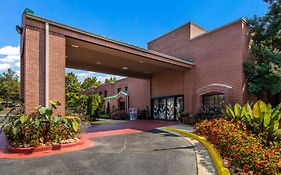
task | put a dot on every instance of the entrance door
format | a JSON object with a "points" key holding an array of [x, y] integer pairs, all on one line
{"points": [[122, 105], [171, 108], [167, 108]]}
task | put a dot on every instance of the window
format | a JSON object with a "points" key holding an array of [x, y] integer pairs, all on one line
{"points": [[119, 90], [213, 100], [126, 89], [105, 93]]}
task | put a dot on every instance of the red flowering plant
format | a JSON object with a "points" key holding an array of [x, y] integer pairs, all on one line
{"points": [[247, 151]]}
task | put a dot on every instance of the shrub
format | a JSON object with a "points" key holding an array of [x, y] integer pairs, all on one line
{"points": [[208, 112], [259, 118], [119, 115], [108, 108], [186, 118], [247, 151], [93, 106], [41, 128], [105, 116], [2, 107]]}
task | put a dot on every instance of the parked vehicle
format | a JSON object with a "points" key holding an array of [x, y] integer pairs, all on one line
{"points": [[8, 104]]}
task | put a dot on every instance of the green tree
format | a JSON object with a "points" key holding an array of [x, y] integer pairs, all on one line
{"points": [[110, 80], [90, 82], [93, 106], [108, 108], [74, 99], [9, 86], [263, 67]]}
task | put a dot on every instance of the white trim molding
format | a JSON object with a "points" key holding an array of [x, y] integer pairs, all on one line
{"points": [[216, 85]]}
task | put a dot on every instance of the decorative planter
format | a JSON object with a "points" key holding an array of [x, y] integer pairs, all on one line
{"points": [[29, 150]]}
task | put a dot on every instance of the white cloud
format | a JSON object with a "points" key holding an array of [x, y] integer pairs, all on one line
{"points": [[84, 74], [17, 64], [10, 50], [4, 67], [11, 54], [102, 77], [10, 58], [18, 72]]}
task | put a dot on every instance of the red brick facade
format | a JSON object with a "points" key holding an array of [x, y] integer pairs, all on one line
{"points": [[138, 91], [217, 56]]}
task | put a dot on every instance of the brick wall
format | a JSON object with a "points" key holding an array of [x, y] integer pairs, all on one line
{"points": [[174, 43], [218, 56], [56, 70], [167, 83], [139, 93], [138, 90], [33, 62]]}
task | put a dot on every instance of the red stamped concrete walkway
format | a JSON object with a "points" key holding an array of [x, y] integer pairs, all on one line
{"points": [[96, 131]]}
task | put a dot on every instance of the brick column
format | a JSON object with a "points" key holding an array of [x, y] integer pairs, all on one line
{"points": [[188, 91], [33, 69], [57, 49]]}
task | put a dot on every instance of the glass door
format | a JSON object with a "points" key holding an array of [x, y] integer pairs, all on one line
{"points": [[170, 108], [155, 109], [167, 108], [162, 109], [179, 106]]}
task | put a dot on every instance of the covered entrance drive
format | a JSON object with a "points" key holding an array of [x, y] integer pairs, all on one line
{"points": [[47, 48]]}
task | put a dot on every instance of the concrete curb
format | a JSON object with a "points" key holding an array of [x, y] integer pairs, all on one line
{"points": [[212, 151], [30, 150]]}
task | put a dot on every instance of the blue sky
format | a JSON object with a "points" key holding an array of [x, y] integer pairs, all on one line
{"points": [[133, 22]]}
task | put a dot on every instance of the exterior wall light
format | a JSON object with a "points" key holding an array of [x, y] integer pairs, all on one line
{"points": [[19, 29], [75, 46]]}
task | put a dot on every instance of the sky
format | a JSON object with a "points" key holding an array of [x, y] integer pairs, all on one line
{"points": [[133, 22]]}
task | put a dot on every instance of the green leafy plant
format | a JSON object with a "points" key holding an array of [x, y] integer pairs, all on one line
{"points": [[93, 106], [208, 112], [262, 68], [258, 118], [41, 128], [2, 107], [186, 118]]}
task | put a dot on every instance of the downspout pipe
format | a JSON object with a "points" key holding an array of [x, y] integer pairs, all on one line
{"points": [[46, 64]]}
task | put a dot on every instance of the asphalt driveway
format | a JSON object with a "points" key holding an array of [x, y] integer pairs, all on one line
{"points": [[148, 153]]}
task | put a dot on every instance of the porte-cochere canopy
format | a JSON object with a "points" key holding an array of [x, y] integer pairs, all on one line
{"points": [[48, 47]]}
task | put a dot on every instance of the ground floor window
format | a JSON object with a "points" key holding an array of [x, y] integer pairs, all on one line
{"points": [[213, 100], [167, 108]]}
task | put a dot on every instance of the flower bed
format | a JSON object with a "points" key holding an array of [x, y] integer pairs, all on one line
{"points": [[248, 152], [44, 148], [41, 128], [119, 115]]}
